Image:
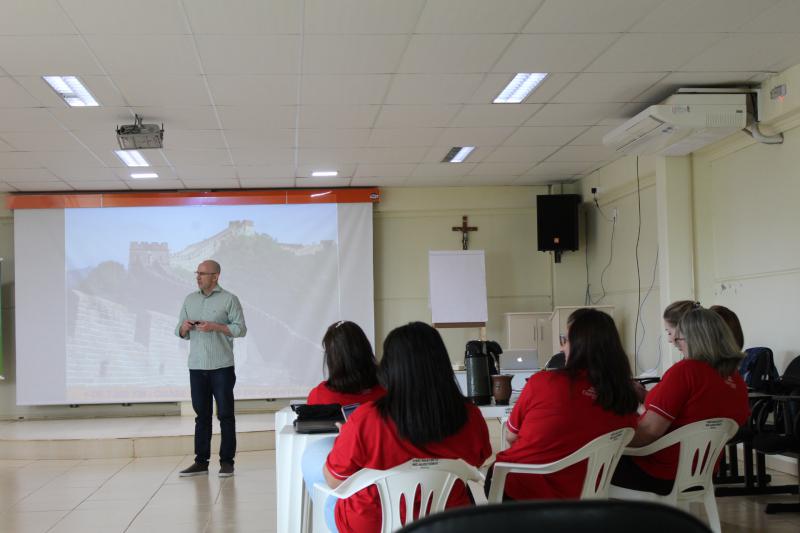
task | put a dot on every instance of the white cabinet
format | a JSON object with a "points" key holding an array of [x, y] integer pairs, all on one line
{"points": [[529, 332]]}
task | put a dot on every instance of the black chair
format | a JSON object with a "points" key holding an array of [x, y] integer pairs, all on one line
{"points": [[765, 422], [556, 361], [785, 439], [590, 516]]}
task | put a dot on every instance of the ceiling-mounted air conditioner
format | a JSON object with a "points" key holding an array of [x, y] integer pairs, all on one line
{"points": [[683, 123]]}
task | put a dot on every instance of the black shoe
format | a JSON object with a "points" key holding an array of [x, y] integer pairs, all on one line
{"points": [[225, 469], [197, 469]]}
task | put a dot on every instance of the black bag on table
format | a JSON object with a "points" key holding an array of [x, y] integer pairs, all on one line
{"points": [[320, 418]]}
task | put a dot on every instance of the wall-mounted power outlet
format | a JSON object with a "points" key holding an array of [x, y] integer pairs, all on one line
{"points": [[615, 213], [595, 191]]}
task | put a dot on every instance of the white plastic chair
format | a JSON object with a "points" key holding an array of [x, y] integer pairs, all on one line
{"points": [[602, 453], [433, 477], [700, 446]]}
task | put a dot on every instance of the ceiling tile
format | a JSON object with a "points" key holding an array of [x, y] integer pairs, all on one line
{"points": [[253, 89], [443, 169], [588, 16], [198, 157], [436, 154], [195, 139], [249, 54], [352, 54], [333, 138], [652, 52], [72, 173], [326, 157], [357, 16], [181, 117], [12, 94], [91, 119], [420, 116], [607, 87], [5, 147], [544, 135], [500, 169], [242, 117], [26, 119], [245, 17], [262, 156], [474, 136], [452, 53], [432, 88], [44, 17], [376, 181], [432, 181], [121, 17], [543, 179], [42, 140], [322, 182], [6, 187], [783, 17], [708, 16], [519, 154], [21, 175], [264, 183], [162, 171], [154, 55], [104, 185], [392, 170], [158, 184], [41, 186], [403, 154], [155, 91], [44, 55], [748, 52], [572, 114], [404, 137], [266, 172], [559, 168], [553, 53], [493, 84], [344, 90], [205, 172], [260, 138], [584, 154], [477, 115], [214, 183], [487, 181], [475, 16], [592, 136], [337, 116]]}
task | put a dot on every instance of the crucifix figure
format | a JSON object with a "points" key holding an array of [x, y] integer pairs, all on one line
{"points": [[465, 228]]}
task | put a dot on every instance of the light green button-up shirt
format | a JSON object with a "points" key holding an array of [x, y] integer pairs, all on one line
{"points": [[213, 349]]}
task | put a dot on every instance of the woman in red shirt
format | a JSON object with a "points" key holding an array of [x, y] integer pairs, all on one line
{"points": [[706, 384], [560, 411], [351, 365], [423, 415]]}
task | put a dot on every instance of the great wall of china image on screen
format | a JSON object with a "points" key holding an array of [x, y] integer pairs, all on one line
{"points": [[121, 318]]}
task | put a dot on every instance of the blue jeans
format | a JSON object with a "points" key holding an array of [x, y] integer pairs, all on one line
{"points": [[209, 385], [311, 464]]}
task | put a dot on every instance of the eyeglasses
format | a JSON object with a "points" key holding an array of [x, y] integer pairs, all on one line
{"points": [[205, 273], [676, 339], [562, 339]]}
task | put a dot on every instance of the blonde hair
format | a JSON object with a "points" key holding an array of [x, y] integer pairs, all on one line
{"points": [[709, 339]]}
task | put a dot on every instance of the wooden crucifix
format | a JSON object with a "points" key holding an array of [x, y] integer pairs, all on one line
{"points": [[465, 228]]}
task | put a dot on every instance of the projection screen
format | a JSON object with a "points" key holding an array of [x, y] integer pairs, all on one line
{"points": [[98, 291]]}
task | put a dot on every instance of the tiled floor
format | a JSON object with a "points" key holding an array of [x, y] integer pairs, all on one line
{"points": [[147, 496]]}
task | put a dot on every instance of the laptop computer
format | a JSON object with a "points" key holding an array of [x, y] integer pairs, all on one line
{"points": [[519, 360]]}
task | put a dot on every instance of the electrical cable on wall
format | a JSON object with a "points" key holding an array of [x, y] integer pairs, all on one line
{"points": [[644, 330], [613, 221], [638, 271]]}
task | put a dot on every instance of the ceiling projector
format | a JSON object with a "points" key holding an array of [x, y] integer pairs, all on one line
{"points": [[140, 136]]}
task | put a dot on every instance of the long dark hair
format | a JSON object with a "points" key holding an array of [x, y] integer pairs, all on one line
{"points": [[349, 357], [422, 398], [595, 347], [709, 339]]}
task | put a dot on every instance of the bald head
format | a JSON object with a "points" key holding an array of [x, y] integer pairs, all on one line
{"points": [[211, 266]]}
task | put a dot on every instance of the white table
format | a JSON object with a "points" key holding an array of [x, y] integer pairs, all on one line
{"points": [[289, 448]]}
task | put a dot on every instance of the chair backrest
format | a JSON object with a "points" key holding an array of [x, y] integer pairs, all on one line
{"points": [[700, 445], [602, 455], [562, 517], [424, 482]]}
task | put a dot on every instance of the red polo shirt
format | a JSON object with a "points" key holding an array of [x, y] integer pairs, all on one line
{"points": [[554, 417], [688, 392], [368, 440], [322, 394]]}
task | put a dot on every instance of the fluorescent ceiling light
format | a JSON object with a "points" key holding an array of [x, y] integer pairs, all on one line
{"points": [[458, 154], [520, 87], [71, 90], [132, 158], [144, 175], [325, 173]]}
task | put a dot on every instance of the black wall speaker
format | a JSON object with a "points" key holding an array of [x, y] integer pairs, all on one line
{"points": [[557, 222]]}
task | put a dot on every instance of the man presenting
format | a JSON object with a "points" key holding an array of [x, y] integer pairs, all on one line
{"points": [[210, 319]]}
